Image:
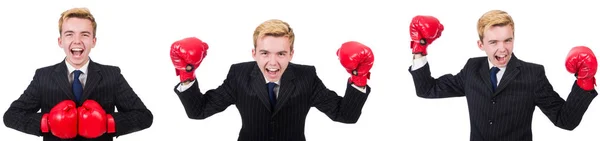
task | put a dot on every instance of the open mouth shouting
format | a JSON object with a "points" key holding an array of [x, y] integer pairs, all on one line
{"points": [[77, 52], [501, 59], [272, 72]]}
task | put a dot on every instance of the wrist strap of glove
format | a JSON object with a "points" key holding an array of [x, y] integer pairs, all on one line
{"points": [[44, 124], [110, 124]]}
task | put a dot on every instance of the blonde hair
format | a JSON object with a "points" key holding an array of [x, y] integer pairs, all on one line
{"points": [[494, 18], [275, 28], [82, 13]]}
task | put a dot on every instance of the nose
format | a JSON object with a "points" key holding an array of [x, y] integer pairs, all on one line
{"points": [[77, 40], [502, 47], [272, 60]]}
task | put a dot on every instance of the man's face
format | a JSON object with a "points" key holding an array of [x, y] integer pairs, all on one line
{"points": [[497, 43], [77, 40], [272, 54]]}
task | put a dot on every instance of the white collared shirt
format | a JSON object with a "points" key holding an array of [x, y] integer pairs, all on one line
{"points": [[499, 74], [82, 76], [276, 89]]}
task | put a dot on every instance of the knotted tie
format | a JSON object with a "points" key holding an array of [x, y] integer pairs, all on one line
{"points": [[272, 96], [494, 78], [77, 87]]}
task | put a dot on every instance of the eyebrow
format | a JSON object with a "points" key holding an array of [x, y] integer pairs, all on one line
{"points": [[507, 39], [268, 51], [70, 31]]}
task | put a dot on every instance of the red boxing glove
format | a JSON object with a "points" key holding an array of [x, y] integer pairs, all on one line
{"points": [[93, 120], [61, 121], [187, 54], [582, 61], [358, 60], [423, 31]]}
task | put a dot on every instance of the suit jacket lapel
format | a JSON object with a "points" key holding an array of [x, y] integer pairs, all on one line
{"points": [[512, 70], [259, 87], [93, 77], [286, 89], [484, 73], [61, 79]]}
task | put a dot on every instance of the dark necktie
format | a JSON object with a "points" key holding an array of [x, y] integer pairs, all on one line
{"points": [[77, 87], [272, 96], [494, 78]]}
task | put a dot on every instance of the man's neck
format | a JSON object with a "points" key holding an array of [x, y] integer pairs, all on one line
{"points": [[83, 67], [77, 67], [276, 82]]}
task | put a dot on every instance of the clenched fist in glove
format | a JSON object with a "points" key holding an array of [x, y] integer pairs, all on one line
{"points": [[423, 31], [93, 120], [358, 60], [582, 61], [187, 54], [61, 120]]}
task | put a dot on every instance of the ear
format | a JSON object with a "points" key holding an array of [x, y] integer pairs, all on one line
{"points": [[254, 53], [59, 42], [480, 44], [94, 42], [291, 54]]}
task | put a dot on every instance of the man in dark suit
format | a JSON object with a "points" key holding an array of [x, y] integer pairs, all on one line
{"points": [[501, 90], [77, 96], [272, 95]]}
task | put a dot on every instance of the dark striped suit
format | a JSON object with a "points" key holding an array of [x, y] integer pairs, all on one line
{"points": [[300, 90], [105, 84], [505, 115]]}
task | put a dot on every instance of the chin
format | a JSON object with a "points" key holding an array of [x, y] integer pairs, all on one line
{"points": [[273, 79], [77, 61], [501, 65]]}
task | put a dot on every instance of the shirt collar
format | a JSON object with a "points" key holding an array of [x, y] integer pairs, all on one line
{"points": [[267, 81], [83, 68], [490, 65]]}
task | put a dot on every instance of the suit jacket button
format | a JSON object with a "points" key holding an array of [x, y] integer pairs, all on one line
{"points": [[493, 101], [491, 122]]}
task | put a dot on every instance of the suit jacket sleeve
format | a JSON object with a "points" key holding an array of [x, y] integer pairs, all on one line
{"points": [[22, 114], [132, 114], [447, 85], [345, 109], [564, 114], [201, 106]]}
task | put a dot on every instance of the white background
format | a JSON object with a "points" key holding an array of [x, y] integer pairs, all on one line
{"points": [[136, 36]]}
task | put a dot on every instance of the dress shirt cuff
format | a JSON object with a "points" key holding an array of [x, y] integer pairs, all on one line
{"points": [[418, 63], [182, 87], [363, 89]]}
